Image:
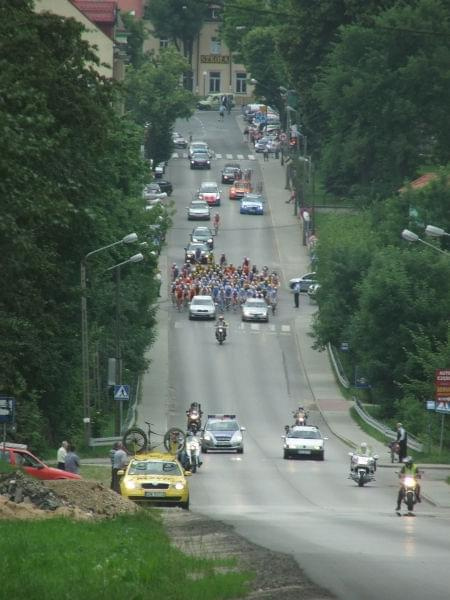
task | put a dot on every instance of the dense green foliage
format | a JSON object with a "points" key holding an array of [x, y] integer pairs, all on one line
{"points": [[71, 180], [126, 557], [155, 99]]}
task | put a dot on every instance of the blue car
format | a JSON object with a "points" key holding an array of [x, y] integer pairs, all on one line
{"points": [[252, 204]]}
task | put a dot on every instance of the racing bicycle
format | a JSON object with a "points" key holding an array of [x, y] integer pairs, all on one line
{"points": [[136, 441]]}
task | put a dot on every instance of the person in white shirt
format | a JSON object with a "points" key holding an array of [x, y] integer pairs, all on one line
{"points": [[61, 455]]}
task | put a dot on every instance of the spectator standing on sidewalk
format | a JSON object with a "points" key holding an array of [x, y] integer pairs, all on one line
{"points": [[296, 295], [111, 456], [61, 455], [120, 461], [72, 460], [221, 112], [266, 153], [246, 132]]}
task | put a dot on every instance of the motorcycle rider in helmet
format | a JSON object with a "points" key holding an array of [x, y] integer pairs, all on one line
{"points": [[408, 469], [222, 323], [363, 450]]}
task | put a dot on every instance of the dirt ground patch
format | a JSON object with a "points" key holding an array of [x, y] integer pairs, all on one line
{"points": [[277, 575]]}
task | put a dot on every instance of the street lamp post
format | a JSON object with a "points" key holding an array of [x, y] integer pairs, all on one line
{"points": [[128, 239], [133, 259], [205, 74]]}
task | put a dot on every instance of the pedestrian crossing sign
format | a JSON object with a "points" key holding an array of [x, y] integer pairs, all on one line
{"points": [[121, 392]]}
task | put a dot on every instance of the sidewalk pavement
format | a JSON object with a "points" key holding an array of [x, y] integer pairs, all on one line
{"points": [[335, 409]]}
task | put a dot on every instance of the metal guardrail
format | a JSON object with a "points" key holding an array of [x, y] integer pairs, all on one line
{"points": [[338, 368], [106, 441], [413, 443]]}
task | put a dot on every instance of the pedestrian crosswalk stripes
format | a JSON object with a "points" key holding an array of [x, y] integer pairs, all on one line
{"points": [[218, 156], [241, 327]]}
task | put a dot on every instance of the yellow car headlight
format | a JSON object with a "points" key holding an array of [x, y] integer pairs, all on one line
{"points": [[179, 485], [130, 484]]}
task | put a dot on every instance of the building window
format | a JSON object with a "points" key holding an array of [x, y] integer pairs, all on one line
{"points": [[241, 83], [215, 46], [213, 13], [214, 82], [163, 43]]}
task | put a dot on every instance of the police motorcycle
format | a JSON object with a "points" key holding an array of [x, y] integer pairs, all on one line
{"points": [[362, 468], [194, 417], [193, 451], [221, 330]]}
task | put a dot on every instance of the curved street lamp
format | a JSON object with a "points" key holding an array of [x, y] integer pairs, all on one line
{"points": [[410, 236], [127, 239]]}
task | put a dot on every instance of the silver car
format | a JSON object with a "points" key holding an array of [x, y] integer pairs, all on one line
{"points": [[305, 281], [255, 309], [198, 210], [222, 432], [198, 147], [303, 441], [202, 307]]}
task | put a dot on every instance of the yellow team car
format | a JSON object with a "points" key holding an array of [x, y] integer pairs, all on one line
{"points": [[157, 478]]}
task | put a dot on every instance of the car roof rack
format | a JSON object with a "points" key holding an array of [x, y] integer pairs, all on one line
{"points": [[13, 445], [221, 416]]}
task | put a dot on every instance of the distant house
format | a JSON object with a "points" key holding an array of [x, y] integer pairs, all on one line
{"points": [[103, 29], [420, 182]]}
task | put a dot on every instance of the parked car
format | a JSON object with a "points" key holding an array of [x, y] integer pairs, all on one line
{"points": [[155, 478], [179, 141], [209, 192], [200, 160], [204, 235], [303, 441], [202, 307], [165, 186], [252, 204], [255, 309], [305, 281], [312, 290], [198, 210], [214, 101], [231, 172], [19, 456], [222, 432], [160, 169], [152, 191]]}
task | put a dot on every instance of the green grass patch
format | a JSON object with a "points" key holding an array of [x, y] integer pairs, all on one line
{"points": [[448, 480], [127, 557], [100, 473]]}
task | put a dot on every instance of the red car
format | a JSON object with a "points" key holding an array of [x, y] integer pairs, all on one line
{"points": [[18, 455], [239, 189]]}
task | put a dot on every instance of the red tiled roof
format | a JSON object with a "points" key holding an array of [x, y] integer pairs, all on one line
{"points": [[420, 182], [98, 11], [136, 6]]}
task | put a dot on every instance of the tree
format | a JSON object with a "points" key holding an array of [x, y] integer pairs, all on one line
{"points": [[179, 21], [385, 98], [135, 39], [155, 98], [70, 181]]}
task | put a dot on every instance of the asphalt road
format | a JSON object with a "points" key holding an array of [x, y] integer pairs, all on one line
{"points": [[347, 539]]}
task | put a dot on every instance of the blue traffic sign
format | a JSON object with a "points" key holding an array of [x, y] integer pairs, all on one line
{"points": [[122, 392], [7, 407]]}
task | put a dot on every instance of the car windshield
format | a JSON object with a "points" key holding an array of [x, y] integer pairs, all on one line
{"points": [[306, 435], [256, 304], [199, 205], [202, 301], [153, 467], [211, 188], [222, 426]]}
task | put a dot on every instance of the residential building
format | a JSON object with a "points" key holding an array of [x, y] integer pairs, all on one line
{"points": [[214, 69]]}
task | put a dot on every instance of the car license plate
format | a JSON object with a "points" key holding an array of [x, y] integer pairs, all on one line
{"points": [[303, 451], [222, 443], [155, 494]]}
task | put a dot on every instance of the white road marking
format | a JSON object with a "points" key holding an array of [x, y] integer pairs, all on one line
{"points": [[218, 156], [255, 326], [286, 329], [240, 156], [175, 155], [229, 156], [251, 157], [272, 328]]}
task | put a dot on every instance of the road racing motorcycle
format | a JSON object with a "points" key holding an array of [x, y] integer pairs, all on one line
{"points": [[362, 468], [300, 417], [194, 417], [193, 453], [408, 485], [221, 334]]}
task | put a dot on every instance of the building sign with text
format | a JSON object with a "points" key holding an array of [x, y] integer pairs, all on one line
{"points": [[442, 390], [216, 59]]}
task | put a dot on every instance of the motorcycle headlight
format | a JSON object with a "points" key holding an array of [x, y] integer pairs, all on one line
{"points": [[409, 482], [130, 484], [179, 485]]}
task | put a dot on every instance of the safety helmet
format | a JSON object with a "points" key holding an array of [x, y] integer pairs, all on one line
{"points": [[220, 317], [408, 460], [363, 445]]}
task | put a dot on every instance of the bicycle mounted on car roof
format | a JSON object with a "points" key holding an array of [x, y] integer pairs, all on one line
{"points": [[137, 441]]}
